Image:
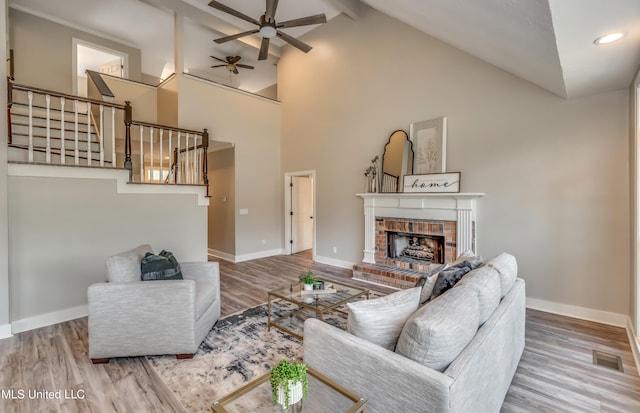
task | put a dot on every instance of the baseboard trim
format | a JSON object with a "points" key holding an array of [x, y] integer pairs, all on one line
{"points": [[335, 262], [5, 331], [244, 257], [599, 316], [222, 255], [257, 255], [48, 319], [633, 342]]}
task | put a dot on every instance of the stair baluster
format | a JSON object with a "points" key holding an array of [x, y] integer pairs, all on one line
{"points": [[48, 148], [30, 96], [101, 137], [75, 147], [141, 154], [62, 143], [89, 154]]}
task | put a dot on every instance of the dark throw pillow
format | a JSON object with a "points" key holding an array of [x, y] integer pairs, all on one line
{"points": [[163, 266], [449, 277]]}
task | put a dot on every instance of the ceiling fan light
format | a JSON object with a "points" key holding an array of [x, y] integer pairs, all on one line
{"points": [[609, 38], [268, 31]]}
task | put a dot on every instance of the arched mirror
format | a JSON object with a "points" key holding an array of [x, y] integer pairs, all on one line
{"points": [[397, 161]]}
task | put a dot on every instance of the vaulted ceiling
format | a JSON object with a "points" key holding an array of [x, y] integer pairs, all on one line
{"points": [[547, 42]]}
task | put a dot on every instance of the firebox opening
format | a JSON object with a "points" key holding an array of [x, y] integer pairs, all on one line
{"points": [[415, 247]]}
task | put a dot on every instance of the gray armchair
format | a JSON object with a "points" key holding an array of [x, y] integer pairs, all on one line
{"points": [[129, 317]]}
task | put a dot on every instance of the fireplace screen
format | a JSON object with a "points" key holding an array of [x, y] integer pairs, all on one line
{"points": [[415, 247]]}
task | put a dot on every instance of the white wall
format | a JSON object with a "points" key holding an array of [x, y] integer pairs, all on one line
{"points": [[4, 217], [634, 136], [63, 229], [37, 41], [252, 124], [554, 171]]}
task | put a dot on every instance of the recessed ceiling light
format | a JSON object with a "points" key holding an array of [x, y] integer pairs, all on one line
{"points": [[608, 38]]}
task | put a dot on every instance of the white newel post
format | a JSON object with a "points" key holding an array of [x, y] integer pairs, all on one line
{"points": [[458, 207]]}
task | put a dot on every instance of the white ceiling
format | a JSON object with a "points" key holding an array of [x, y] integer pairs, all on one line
{"points": [[547, 42]]}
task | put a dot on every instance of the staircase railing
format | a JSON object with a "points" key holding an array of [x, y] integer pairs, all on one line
{"points": [[53, 128]]}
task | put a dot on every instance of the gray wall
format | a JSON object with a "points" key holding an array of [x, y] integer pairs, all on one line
{"points": [[37, 42], [63, 229], [4, 217], [554, 171], [222, 202], [252, 124]]}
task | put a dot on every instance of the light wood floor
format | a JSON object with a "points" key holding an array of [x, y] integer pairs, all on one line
{"points": [[555, 374]]}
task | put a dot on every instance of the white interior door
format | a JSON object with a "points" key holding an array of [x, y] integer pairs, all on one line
{"points": [[302, 213]]}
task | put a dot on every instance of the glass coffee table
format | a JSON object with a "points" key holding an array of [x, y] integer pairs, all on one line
{"points": [[310, 304], [325, 395]]}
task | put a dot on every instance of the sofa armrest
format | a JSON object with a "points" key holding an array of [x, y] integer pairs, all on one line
{"points": [[201, 271], [390, 382], [142, 317]]}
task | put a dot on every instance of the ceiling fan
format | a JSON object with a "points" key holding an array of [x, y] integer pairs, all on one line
{"points": [[231, 63], [268, 27]]}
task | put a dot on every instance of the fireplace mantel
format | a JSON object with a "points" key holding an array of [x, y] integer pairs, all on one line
{"points": [[458, 207]]}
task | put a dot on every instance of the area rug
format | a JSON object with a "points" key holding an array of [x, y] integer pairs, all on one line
{"points": [[237, 349]]}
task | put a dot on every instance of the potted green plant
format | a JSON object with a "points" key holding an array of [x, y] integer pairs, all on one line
{"points": [[307, 279], [289, 383]]}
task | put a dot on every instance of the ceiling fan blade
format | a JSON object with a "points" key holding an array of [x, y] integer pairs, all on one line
{"points": [[245, 66], [233, 59], [272, 5], [218, 59], [264, 49], [229, 10], [294, 42], [303, 21], [235, 70], [217, 66], [235, 36]]}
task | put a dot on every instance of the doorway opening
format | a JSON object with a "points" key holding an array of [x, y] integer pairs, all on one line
{"points": [[299, 211], [89, 56]]}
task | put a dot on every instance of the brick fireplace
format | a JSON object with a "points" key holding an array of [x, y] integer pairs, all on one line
{"points": [[407, 235]]}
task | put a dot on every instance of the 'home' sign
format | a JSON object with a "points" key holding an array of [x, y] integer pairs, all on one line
{"points": [[439, 183]]}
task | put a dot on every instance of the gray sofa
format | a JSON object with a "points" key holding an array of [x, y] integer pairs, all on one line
{"points": [[476, 380], [130, 317]]}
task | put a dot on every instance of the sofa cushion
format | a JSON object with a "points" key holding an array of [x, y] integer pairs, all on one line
{"points": [[435, 334], [125, 267], [486, 282], [507, 268], [380, 320], [163, 266], [449, 277], [427, 282]]}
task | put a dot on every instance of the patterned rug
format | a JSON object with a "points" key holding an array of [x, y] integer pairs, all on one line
{"points": [[237, 349]]}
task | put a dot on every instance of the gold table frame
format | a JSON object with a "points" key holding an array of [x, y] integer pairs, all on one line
{"points": [[292, 293], [358, 407]]}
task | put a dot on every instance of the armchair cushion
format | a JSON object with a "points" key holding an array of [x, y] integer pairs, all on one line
{"points": [[125, 267]]}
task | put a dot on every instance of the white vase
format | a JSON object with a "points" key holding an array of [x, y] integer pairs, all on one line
{"points": [[308, 287], [295, 394]]}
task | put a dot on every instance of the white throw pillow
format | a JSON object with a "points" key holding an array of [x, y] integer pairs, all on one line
{"points": [[469, 255], [380, 320], [125, 267]]}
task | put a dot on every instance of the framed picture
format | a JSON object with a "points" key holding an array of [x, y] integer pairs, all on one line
{"points": [[433, 183], [429, 139]]}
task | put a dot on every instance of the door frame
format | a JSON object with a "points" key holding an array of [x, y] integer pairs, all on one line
{"points": [[74, 59], [287, 205]]}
